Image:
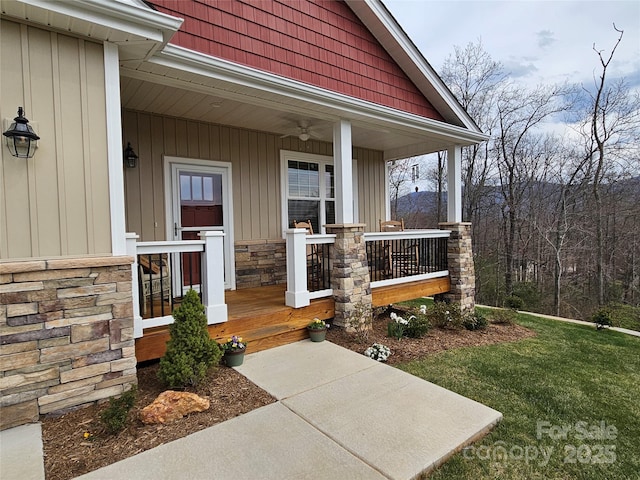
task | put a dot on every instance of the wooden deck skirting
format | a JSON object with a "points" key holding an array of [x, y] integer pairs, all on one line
{"points": [[260, 316], [382, 296]]}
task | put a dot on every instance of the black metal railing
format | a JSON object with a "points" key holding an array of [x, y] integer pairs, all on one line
{"points": [[319, 265], [406, 257], [157, 275]]}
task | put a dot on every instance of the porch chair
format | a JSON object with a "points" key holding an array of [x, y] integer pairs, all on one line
{"points": [[400, 256], [314, 257], [155, 279], [392, 225]]}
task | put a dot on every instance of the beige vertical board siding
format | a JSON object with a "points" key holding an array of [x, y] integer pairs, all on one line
{"points": [[146, 181], [57, 203], [16, 232], [97, 137], [255, 160], [131, 175], [370, 184], [46, 175], [158, 179], [70, 126]]}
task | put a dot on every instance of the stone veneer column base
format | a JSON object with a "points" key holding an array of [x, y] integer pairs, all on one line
{"points": [[66, 335], [461, 268], [350, 275]]}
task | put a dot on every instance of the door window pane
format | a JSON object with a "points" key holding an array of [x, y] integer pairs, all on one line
{"points": [[196, 187], [185, 187]]}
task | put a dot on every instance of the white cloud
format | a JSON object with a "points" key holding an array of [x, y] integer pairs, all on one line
{"points": [[545, 38], [540, 41]]}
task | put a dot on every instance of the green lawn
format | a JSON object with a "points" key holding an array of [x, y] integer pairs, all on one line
{"points": [[570, 398]]}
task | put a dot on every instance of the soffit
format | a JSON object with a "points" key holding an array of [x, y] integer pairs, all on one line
{"points": [[137, 30]]}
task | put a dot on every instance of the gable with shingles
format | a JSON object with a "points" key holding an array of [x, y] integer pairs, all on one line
{"points": [[319, 42]]}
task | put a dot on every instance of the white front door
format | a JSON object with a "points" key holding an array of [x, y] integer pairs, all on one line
{"points": [[200, 200]]}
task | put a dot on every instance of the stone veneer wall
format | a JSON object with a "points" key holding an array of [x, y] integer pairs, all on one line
{"points": [[461, 268], [66, 335], [260, 263], [350, 278]]}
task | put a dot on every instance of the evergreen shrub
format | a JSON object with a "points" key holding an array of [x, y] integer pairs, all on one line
{"points": [[190, 351]]}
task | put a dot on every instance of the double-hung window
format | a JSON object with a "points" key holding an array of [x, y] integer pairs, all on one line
{"points": [[310, 191]]}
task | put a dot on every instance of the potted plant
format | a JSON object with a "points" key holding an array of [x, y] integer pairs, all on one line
{"points": [[233, 349], [317, 330]]}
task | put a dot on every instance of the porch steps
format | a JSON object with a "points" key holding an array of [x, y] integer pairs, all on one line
{"points": [[261, 318], [257, 315]]}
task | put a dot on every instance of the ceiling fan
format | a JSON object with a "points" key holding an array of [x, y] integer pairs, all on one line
{"points": [[303, 132]]}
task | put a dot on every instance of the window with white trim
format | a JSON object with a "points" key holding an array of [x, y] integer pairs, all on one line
{"points": [[310, 193], [308, 190]]}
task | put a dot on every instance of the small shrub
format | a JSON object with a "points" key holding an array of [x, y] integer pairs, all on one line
{"points": [[474, 321], [445, 315], [514, 302], [603, 318], [503, 317], [360, 322], [190, 350], [418, 326], [114, 417]]}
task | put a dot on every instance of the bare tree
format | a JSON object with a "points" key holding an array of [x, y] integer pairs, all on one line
{"points": [[398, 179], [476, 80], [611, 124], [519, 152]]}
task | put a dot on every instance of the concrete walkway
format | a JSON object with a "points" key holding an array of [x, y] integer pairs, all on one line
{"points": [[21, 453], [634, 333], [339, 414]]}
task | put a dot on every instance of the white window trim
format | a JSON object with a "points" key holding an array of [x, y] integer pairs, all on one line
{"points": [[285, 156]]}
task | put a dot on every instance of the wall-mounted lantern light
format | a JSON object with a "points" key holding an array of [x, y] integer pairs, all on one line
{"points": [[130, 157], [21, 139]]}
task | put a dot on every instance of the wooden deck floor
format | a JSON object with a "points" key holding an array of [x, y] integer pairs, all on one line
{"points": [[260, 316]]}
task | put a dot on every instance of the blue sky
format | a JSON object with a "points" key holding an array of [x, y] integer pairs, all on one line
{"points": [[537, 41]]}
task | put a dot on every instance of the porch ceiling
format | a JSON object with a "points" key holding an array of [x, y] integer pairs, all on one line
{"points": [[233, 95], [145, 96]]}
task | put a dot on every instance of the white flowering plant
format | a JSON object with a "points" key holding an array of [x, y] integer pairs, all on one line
{"points": [[397, 326], [415, 326], [378, 352]]}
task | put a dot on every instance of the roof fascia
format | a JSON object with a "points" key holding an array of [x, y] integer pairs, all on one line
{"points": [[393, 38], [131, 18], [343, 106]]}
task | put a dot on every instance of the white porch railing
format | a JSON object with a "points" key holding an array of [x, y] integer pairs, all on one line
{"points": [[211, 281], [308, 258], [407, 256], [393, 258]]}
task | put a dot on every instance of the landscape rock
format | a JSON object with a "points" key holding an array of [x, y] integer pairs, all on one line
{"points": [[170, 406]]}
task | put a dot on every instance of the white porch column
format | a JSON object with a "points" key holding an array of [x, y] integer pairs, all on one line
{"points": [[212, 277], [343, 167], [114, 148], [132, 251], [454, 184], [297, 294]]}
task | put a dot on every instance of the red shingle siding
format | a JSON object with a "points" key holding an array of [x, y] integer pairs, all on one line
{"points": [[319, 42]]}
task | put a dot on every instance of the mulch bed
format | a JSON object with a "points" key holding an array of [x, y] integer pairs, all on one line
{"points": [[436, 340], [69, 454]]}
